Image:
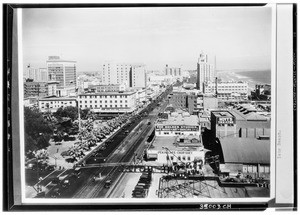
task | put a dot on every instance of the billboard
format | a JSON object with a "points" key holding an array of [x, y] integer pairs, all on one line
{"points": [[177, 128]]}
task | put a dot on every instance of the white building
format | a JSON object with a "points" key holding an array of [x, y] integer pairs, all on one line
{"points": [[178, 124], [132, 75], [205, 71], [64, 72], [173, 71], [108, 102], [186, 149], [227, 90], [137, 76], [52, 104]]}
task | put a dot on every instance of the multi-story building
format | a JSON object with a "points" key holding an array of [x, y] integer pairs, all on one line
{"points": [[107, 88], [52, 88], [205, 71], [173, 71], [137, 76], [132, 75], [227, 90], [53, 103], [239, 122], [64, 72], [178, 100], [38, 89], [185, 148], [262, 92], [223, 124], [178, 124], [42, 75], [108, 102]]}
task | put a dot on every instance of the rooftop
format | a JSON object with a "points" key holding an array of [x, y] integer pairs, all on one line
{"points": [[245, 150], [190, 143], [247, 115], [108, 93], [221, 114], [70, 98], [179, 119]]}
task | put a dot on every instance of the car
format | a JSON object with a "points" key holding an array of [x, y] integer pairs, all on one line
{"points": [[108, 183], [58, 143], [126, 132]]}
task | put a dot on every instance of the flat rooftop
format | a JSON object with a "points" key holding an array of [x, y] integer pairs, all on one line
{"points": [[179, 119], [159, 143], [108, 93], [58, 99]]}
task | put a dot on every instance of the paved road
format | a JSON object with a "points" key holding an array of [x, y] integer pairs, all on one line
{"points": [[121, 148]]}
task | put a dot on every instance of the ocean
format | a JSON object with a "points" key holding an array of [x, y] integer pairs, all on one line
{"points": [[263, 76], [252, 77]]}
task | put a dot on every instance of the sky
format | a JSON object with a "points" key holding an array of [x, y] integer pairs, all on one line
{"points": [[239, 37]]}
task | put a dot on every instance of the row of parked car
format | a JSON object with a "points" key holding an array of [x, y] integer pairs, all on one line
{"points": [[142, 188]]}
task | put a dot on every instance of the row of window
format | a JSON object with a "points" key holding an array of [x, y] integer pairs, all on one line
{"points": [[183, 158], [104, 101], [42, 103], [221, 124], [100, 106], [102, 96], [253, 169]]}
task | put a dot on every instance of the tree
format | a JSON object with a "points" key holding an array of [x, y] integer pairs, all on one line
{"points": [[37, 130], [70, 112]]}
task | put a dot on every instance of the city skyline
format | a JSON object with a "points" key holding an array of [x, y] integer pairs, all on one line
{"points": [[239, 37]]}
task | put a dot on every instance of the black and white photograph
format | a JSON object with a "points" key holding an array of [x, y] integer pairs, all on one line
{"points": [[147, 104]]}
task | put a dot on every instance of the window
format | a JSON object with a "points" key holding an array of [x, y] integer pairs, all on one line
{"points": [[85, 101], [188, 158], [110, 105], [183, 158]]}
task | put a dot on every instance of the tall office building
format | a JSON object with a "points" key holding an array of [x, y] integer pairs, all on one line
{"points": [[137, 76], [205, 71], [63, 72], [131, 75]]}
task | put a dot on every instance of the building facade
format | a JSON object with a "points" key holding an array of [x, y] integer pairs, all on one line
{"points": [[64, 72], [178, 124], [205, 71], [173, 71], [132, 75], [223, 124], [137, 76], [227, 90], [183, 149], [38, 89], [108, 102], [52, 104], [239, 123]]}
